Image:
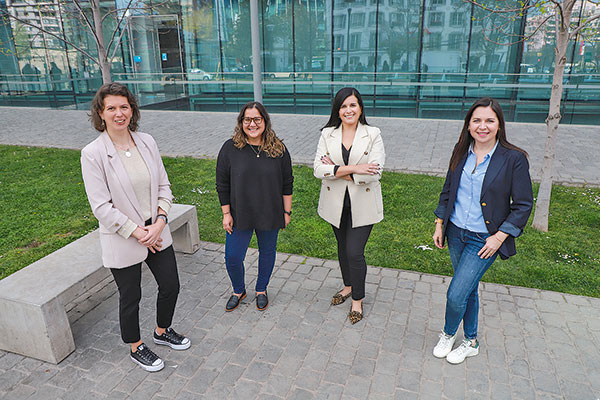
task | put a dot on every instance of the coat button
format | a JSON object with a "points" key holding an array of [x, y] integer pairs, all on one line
{"points": [[328, 188], [366, 152], [484, 204], [327, 174], [117, 224], [487, 222], [327, 153], [368, 190]]}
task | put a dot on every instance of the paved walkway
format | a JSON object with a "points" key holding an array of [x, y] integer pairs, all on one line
{"points": [[535, 344], [412, 145]]}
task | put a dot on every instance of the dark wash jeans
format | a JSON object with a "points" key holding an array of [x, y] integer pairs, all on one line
{"points": [[462, 298], [236, 246]]}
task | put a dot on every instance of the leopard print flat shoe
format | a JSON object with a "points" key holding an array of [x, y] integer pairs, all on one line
{"points": [[355, 316], [338, 298]]}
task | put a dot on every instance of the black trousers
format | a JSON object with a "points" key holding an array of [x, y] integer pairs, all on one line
{"points": [[163, 266], [351, 253]]}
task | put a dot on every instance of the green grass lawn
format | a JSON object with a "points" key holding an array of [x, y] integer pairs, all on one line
{"points": [[44, 207]]}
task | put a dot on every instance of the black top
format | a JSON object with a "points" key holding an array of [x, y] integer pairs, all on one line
{"points": [[253, 186], [345, 157]]}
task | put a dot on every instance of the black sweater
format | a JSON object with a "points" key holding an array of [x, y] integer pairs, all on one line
{"points": [[253, 186]]}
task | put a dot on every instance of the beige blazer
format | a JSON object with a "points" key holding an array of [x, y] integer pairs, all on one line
{"points": [[364, 191], [113, 200]]}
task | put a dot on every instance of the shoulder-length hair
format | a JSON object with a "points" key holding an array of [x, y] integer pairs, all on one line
{"points": [[271, 144], [114, 89], [340, 97], [465, 139]]}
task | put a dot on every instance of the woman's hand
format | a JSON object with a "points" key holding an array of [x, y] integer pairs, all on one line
{"points": [[287, 218], [366, 169], [228, 223], [140, 233], [437, 236], [492, 244], [326, 160], [152, 238]]}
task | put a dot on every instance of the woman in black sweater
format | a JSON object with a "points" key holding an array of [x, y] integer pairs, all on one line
{"points": [[254, 182]]}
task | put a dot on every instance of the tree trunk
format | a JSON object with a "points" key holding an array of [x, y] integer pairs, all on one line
{"points": [[102, 51], [542, 205]]}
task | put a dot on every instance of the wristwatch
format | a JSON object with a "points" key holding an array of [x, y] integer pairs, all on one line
{"points": [[288, 212], [439, 220], [163, 217]]}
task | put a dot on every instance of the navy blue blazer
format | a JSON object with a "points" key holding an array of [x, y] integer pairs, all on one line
{"points": [[506, 196]]}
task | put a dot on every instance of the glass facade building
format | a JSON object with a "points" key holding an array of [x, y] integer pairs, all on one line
{"points": [[409, 58]]}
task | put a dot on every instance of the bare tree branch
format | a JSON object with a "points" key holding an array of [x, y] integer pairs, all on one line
{"points": [[145, 8], [87, 21], [114, 52], [67, 42], [120, 19]]}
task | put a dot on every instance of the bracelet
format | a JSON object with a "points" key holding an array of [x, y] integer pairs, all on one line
{"points": [[163, 217], [288, 212], [439, 221]]}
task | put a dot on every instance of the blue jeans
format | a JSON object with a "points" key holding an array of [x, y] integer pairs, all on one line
{"points": [[462, 299], [236, 245]]}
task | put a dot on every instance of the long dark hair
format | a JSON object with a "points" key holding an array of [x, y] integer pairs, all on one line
{"points": [[97, 106], [465, 139], [340, 97], [271, 144]]}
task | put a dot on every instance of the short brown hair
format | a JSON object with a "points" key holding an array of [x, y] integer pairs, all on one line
{"points": [[114, 89]]}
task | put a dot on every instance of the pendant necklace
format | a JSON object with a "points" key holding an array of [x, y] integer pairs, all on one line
{"points": [[127, 152], [254, 151]]}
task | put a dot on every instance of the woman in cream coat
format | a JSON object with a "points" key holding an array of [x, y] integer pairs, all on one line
{"points": [[349, 162], [130, 195]]}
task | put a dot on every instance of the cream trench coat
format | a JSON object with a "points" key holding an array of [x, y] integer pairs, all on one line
{"points": [[113, 199], [364, 191]]}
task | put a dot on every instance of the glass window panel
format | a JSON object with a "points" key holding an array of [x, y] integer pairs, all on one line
{"points": [[358, 20]]}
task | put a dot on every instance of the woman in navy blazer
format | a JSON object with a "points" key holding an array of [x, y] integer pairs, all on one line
{"points": [[484, 205]]}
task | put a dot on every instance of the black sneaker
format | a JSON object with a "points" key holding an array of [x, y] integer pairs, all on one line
{"points": [[172, 339], [145, 358]]}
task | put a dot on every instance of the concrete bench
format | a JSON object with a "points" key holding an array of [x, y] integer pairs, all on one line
{"points": [[33, 319]]}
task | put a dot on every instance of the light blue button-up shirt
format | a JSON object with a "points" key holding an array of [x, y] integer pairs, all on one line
{"points": [[467, 210]]}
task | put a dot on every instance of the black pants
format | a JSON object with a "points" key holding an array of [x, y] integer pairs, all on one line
{"points": [[351, 253], [163, 266]]}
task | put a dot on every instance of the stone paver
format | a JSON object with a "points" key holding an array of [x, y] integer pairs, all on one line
{"points": [[412, 145], [301, 347], [534, 344]]}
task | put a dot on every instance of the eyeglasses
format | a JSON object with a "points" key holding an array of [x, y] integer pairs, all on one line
{"points": [[248, 120]]}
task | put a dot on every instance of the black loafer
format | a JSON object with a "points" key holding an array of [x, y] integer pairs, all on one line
{"points": [[262, 301], [234, 301]]}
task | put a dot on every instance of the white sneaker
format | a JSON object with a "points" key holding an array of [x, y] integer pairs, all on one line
{"points": [[444, 345], [466, 349]]}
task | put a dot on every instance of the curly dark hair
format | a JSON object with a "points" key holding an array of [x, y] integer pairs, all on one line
{"points": [[271, 144], [114, 89]]}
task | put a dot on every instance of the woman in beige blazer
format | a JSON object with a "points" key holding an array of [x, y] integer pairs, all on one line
{"points": [[129, 192], [349, 161]]}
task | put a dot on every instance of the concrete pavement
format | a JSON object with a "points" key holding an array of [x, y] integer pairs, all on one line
{"points": [[534, 344], [412, 145]]}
